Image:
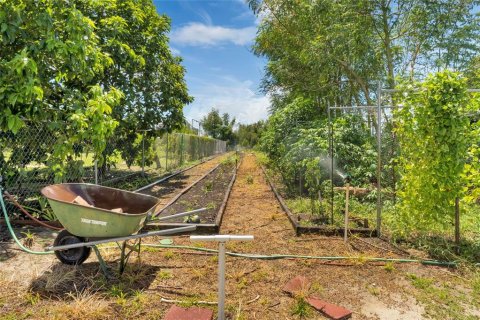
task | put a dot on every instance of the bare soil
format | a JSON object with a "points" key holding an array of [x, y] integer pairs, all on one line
{"points": [[208, 193], [168, 189], [254, 287]]}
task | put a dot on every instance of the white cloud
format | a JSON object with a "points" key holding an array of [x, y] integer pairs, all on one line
{"points": [[236, 98], [199, 34], [175, 51]]}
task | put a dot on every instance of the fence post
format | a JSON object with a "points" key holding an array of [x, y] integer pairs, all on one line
{"points": [[457, 224], [379, 158], [143, 153], [96, 171], [166, 156]]}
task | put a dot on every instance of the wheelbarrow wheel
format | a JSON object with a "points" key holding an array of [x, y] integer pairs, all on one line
{"points": [[75, 256]]}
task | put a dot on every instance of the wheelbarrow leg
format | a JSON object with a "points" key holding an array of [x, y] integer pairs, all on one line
{"points": [[125, 256], [102, 263]]}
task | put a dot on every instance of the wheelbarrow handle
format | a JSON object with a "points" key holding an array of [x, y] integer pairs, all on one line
{"points": [[135, 236], [177, 215]]}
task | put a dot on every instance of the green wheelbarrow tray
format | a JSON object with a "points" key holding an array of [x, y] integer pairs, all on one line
{"points": [[98, 220]]}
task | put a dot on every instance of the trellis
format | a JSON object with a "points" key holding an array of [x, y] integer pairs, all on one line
{"points": [[379, 107]]}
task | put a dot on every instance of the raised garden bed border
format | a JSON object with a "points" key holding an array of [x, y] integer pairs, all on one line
{"points": [[325, 230], [202, 228]]}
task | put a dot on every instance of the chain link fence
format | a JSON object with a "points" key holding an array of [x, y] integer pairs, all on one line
{"points": [[27, 160]]}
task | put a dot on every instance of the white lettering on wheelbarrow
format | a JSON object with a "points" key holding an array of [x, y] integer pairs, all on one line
{"points": [[89, 221]]}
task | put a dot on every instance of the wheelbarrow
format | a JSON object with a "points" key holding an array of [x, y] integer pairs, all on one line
{"points": [[93, 214]]}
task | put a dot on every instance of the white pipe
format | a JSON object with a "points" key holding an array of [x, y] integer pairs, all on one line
{"points": [[221, 281], [221, 239]]}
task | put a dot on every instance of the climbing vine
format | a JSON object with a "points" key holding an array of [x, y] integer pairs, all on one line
{"points": [[435, 136]]}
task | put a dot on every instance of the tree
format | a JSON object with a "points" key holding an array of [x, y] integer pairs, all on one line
{"points": [[219, 127], [336, 50], [49, 60], [88, 67], [248, 135], [143, 67]]}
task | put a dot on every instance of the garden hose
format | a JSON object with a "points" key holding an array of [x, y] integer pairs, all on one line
{"points": [[12, 233], [292, 256], [25, 212]]}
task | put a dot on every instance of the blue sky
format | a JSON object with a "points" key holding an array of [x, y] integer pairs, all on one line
{"points": [[214, 38]]}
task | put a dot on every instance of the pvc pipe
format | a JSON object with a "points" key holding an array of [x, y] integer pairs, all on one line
{"points": [[222, 238], [221, 281]]}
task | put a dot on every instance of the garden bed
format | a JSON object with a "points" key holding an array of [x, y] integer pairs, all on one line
{"points": [[301, 227], [210, 191]]}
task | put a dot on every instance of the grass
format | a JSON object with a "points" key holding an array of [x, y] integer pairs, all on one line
{"points": [[442, 300]]}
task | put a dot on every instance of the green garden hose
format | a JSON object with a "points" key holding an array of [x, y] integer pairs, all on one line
{"points": [[287, 256], [12, 233]]}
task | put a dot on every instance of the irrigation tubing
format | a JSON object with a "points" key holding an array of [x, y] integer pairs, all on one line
{"points": [[292, 256], [12, 233]]}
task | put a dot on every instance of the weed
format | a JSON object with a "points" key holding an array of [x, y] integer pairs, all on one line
{"points": [[301, 308], [211, 206], [316, 287], [29, 238], [116, 291], [189, 302], [260, 276], [169, 254], [249, 179], [374, 291], [420, 282], [32, 298], [199, 273], [164, 275], [242, 284], [389, 267], [264, 301], [208, 187]]}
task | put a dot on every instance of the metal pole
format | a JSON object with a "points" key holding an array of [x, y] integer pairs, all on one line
{"points": [[166, 156], [330, 140], [143, 153], [379, 157], [221, 239], [135, 236], [457, 224], [221, 281], [96, 171], [347, 195]]}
